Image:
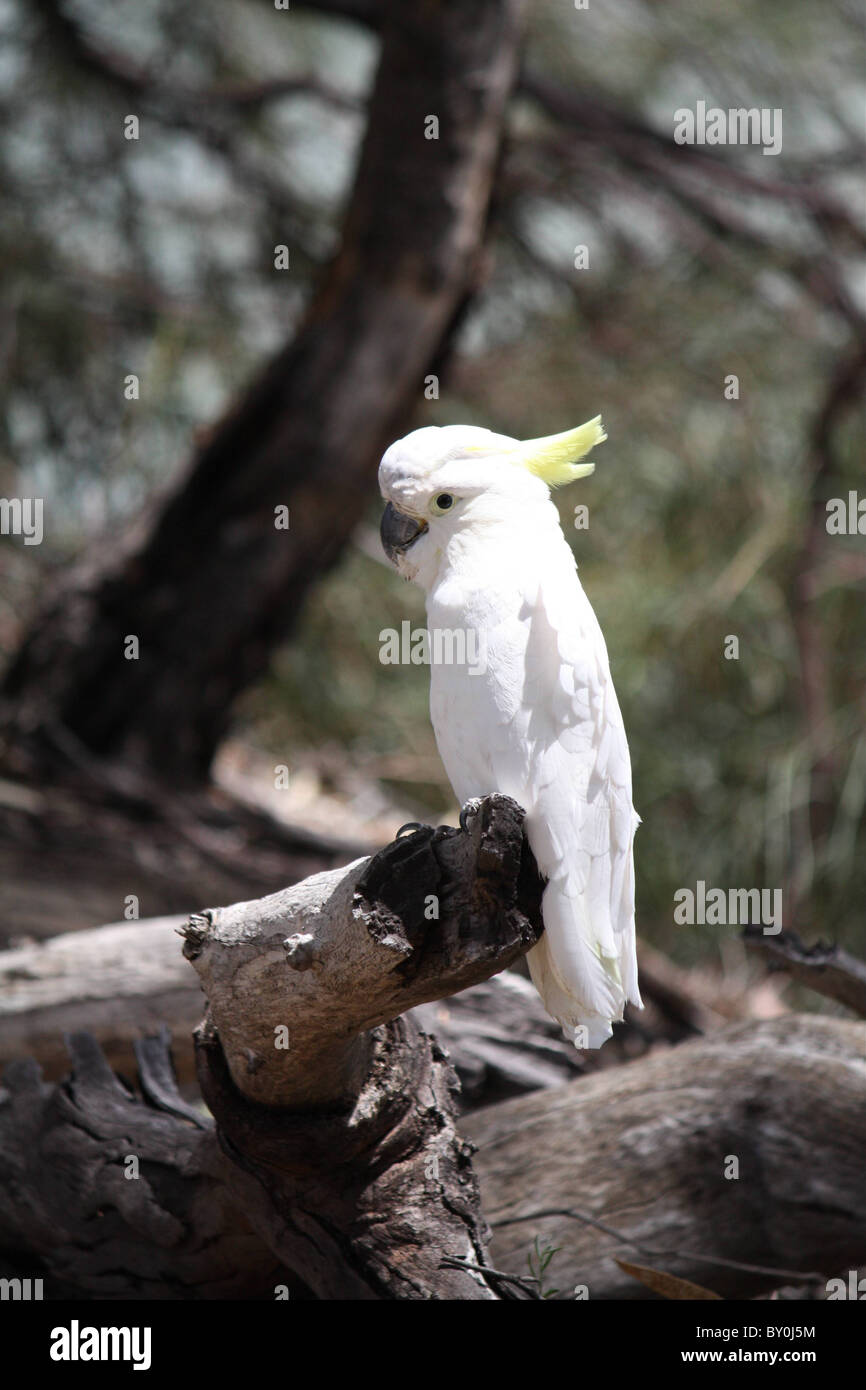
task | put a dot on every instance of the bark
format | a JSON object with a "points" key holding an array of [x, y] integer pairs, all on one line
{"points": [[342, 1144], [337, 1111], [625, 1166], [825, 968], [339, 1156], [331, 959], [69, 1213], [630, 1164], [120, 981], [117, 982], [212, 586], [370, 1203]]}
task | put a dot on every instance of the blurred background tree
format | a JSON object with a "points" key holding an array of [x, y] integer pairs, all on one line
{"points": [[706, 514]]}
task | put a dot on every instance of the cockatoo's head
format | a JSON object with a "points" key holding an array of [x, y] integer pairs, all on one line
{"points": [[440, 483]]}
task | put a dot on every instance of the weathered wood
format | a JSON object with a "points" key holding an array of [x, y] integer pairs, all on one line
{"points": [[123, 980], [642, 1152], [503, 1042], [120, 981], [500, 1040], [639, 1150], [341, 1153], [70, 1213], [341, 1147], [825, 968], [117, 982], [370, 1203], [296, 981], [339, 1109]]}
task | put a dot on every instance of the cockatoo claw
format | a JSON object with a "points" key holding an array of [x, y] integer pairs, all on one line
{"points": [[469, 811], [410, 827]]}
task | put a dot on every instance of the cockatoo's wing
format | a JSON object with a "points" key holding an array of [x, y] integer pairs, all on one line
{"points": [[581, 820], [543, 724]]}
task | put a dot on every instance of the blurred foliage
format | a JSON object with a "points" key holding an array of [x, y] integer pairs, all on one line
{"points": [[156, 257]]}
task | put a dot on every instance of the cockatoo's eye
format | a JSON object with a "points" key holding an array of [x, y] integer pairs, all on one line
{"points": [[444, 502]]}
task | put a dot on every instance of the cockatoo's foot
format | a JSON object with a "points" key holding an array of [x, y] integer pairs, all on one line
{"points": [[469, 811], [410, 827]]}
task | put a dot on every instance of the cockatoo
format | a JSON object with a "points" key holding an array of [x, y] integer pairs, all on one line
{"points": [[470, 519]]}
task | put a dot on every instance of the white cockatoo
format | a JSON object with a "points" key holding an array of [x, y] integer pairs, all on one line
{"points": [[535, 714]]}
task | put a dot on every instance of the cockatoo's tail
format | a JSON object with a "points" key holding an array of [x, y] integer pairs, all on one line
{"points": [[469, 518]]}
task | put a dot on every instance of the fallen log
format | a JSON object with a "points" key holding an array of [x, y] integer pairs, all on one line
{"points": [[627, 1165], [117, 982], [336, 1155], [103, 1195], [121, 981], [735, 1162]]}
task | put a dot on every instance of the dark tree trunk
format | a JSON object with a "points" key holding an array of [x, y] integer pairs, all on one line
{"points": [[213, 585]]}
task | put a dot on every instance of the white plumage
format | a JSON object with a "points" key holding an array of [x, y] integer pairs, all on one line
{"points": [[471, 520]]}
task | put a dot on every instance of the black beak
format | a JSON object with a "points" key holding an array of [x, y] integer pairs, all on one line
{"points": [[398, 531]]}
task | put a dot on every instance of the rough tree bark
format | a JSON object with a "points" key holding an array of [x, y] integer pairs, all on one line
{"points": [[328, 1096], [342, 1148], [336, 1160], [634, 1164], [212, 586], [625, 1165], [68, 1212], [120, 981]]}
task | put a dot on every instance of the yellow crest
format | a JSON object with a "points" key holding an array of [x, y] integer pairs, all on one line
{"points": [[556, 459]]}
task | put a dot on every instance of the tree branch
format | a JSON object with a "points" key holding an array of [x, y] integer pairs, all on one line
{"points": [[335, 1108], [334, 957], [827, 969]]}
